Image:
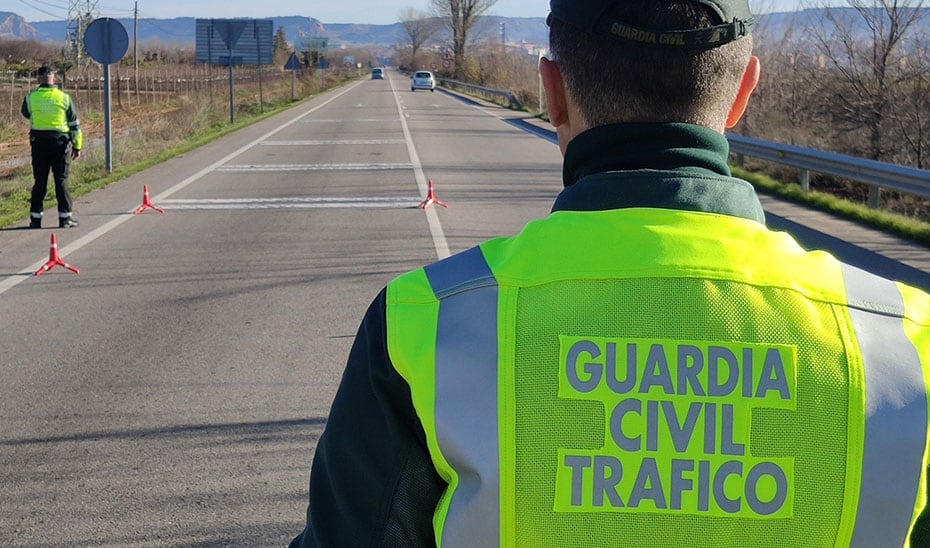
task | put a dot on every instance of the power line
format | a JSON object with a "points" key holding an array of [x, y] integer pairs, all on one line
{"points": [[50, 4], [41, 10], [111, 9], [152, 23]]}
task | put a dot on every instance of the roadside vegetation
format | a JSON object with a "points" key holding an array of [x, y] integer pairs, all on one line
{"points": [[905, 226]]}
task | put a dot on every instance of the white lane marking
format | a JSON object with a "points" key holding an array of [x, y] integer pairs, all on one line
{"points": [[333, 142], [292, 203], [311, 167], [439, 238], [332, 121], [322, 199], [539, 132], [88, 238]]}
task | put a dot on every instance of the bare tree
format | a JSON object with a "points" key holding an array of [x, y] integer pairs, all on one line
{"points": [[460, 16], [784, 97], [21, 54], [420, 27], [910, 109], [865, 47], [282, 50]]}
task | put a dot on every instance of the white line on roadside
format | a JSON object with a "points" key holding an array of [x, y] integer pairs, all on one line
{"points": [[539, 132], [303, 199], [365, 120], [11, 282], [333, 142], [439, 238], [295, 203], [312, 167]]}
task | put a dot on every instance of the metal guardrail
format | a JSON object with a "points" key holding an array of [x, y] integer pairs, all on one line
{"points": [[489, 93], [877, 175]]}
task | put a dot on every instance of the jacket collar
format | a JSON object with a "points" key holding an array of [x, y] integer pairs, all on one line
{"points": [[673, 166]]}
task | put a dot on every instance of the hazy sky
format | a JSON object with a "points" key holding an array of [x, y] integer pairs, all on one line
{"points": [[379, 12]]}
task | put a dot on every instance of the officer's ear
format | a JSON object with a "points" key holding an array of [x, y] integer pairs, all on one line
{"points": [[555, 91], [746, 87]]}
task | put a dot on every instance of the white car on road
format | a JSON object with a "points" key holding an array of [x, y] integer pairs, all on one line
{"points": [[423, 79]]}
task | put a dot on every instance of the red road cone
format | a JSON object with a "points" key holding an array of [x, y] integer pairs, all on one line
{"points": [[54, 260], [430, 198], [146, 202]]}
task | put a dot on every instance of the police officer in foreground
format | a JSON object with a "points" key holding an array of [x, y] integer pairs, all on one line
{"points": [[56, 139], [647, 366]]}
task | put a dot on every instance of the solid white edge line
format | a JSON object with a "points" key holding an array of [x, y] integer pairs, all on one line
{"points": [[539, 132], [439, 238], [11, 282]]}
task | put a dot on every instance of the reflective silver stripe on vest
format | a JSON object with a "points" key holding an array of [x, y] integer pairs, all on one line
{"points": [[896, 412], [466, 395]]}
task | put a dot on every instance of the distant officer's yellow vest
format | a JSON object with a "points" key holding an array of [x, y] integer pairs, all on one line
{"points": [[48, 111], [650, 377]]}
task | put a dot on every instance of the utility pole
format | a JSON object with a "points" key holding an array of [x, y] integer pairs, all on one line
{"points": [[542, 53], [135, 49]]}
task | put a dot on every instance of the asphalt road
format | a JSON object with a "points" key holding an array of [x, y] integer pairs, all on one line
{"points": [[172, 393]]}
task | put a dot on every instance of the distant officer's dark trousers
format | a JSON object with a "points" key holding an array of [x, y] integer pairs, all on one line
{"points": [[51, 153]]}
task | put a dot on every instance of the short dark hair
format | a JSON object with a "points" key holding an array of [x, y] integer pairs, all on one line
{"points": [[614, 81], [45, 70]]}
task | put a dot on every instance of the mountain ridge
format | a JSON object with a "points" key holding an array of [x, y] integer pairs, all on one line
{"points": [[517, 30], [180, 30]]}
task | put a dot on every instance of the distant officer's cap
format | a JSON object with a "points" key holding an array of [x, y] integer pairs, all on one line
{"points": [[593, 17], [45, 70]]}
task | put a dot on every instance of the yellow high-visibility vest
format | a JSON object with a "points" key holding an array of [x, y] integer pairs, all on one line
{"points": [[654, 377], [51, 109]]}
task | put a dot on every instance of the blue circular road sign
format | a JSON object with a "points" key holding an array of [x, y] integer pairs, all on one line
{"points": [[106, 40]]}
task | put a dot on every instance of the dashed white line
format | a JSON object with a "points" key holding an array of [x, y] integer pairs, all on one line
{"points": [[311, 167], [333, 142], [334, 199], [293, 203], [341, 121]]}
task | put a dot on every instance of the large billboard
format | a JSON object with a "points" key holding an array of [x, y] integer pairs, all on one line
{"points": [[235, 41]]}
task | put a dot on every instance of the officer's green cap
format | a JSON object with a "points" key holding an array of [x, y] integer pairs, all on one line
{"points": [[593, 17]]}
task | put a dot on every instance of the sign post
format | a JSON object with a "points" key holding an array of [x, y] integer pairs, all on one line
{"points": [[106, 41], [293, 64], [230, 31], [242, 48]]}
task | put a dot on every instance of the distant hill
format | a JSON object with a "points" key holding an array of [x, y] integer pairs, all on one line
{"points": [[180, 30], [529, 30], [808, 26], [14, 26]]}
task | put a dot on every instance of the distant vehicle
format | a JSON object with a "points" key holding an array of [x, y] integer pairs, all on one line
{"points": [[423, 79], [377, 73]]}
